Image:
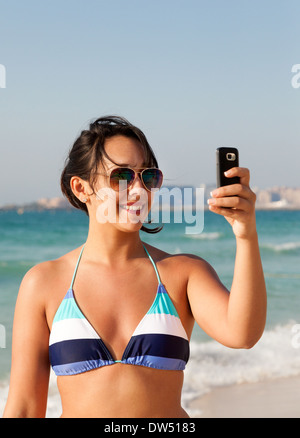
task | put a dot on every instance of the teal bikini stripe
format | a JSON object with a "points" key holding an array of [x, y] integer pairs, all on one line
{"points": [[163, 304], [68, 310]]}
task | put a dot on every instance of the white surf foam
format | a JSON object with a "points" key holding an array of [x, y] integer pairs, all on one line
{"points": [[205, 236], [213, 365], [282, 247]]}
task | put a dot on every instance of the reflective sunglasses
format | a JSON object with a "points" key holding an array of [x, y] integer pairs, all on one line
{"points": [[151, 178]]}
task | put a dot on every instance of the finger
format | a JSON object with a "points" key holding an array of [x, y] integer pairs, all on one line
{"points": [[234, 202], [242, 172], [229, 213], [233, 190]]}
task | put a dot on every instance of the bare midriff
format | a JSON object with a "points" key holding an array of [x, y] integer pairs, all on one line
{"points": [[120, 391]]}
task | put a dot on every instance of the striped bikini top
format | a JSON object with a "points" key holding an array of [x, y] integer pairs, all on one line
{"points": [[159, 341]]}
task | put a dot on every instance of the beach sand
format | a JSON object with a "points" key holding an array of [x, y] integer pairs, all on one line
{"points": [[278, 398]]}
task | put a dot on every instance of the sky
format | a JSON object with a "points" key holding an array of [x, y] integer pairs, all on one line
{"points": [[194, 75]]}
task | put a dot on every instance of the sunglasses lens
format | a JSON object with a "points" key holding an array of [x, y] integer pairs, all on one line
{"points": [[121, 174], [152, 178]]}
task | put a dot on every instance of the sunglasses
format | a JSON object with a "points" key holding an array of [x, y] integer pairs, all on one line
{"points": [[151, 178]]}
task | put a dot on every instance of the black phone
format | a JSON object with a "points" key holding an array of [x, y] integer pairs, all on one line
{"points": [[226, 159]]}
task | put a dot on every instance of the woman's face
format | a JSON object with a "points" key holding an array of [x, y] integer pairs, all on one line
{"points": [[128, 208]]}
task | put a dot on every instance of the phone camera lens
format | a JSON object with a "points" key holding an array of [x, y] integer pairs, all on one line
{"points": [[230, 156]]}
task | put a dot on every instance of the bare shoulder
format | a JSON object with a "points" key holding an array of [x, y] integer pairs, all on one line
{"points": [[43, 277], [183, 263]]}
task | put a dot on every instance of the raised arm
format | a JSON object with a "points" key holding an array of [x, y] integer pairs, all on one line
{"points": [[236, 319], [30, 364]]}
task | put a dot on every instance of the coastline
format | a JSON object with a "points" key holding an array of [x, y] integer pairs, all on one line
{"points": [[274, 398], [271, 199]]}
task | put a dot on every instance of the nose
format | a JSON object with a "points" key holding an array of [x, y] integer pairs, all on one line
{"points": [[137, 182], [137, 189]]}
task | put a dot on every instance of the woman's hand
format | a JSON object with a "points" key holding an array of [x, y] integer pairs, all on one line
{"points": [[236, 203]]}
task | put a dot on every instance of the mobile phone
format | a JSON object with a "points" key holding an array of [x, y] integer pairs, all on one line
{"points": [[226, 158]]}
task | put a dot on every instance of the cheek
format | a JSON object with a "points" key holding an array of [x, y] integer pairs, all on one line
{"points": [[106, 202]]}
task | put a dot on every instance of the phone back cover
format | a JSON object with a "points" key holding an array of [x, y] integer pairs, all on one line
{"points": [[223, 165]]}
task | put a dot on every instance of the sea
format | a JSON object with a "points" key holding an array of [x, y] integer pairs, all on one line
{"points": [[30, 237]]}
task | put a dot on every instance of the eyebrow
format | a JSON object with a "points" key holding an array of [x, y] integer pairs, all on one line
{"points": [[130, 165]]}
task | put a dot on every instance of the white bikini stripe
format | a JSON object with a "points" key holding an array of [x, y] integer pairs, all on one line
{"points": [[68, 329], [160, 323]]}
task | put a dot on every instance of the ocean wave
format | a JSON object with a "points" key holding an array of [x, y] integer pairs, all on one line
{"points": [[213, 365], [282, 247], [14, 268], [205, 236]]}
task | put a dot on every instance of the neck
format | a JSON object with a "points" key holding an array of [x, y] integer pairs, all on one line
{"points": [[112, 246]]}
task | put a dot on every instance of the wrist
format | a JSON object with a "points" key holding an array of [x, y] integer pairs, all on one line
{"points": [[251, 237]]}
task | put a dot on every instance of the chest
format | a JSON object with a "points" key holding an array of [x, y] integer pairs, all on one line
{"points": [[115, 303]]}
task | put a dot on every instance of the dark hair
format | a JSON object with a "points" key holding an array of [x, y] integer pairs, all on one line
{"points": [[88, 150]]}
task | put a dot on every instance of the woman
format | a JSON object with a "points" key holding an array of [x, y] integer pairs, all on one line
{"points": [[114, 317]]}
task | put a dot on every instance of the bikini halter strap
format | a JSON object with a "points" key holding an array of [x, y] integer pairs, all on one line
{"points": [[75, 271], [151, 260]]}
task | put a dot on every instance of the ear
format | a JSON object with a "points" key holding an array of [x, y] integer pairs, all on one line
{"points": [[80, 188]]}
